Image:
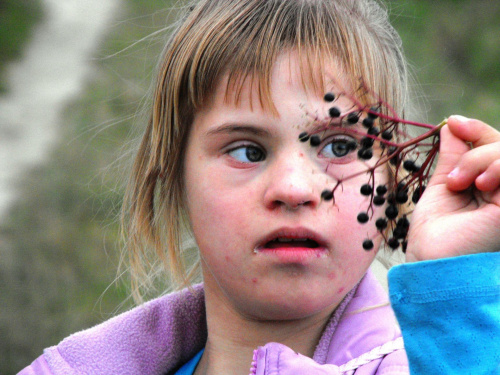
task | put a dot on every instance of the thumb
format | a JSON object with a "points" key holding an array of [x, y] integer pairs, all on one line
{"points": [[451, 149]]}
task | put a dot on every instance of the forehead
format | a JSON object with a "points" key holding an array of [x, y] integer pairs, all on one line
{"points": [[290, 73]]}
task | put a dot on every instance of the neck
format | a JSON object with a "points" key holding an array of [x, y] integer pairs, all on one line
{"points": [[232, 338]]}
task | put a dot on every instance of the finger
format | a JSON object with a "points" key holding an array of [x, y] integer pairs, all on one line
{"points": [[473, 164], [451, 150], [474, 131], [489, 180]]}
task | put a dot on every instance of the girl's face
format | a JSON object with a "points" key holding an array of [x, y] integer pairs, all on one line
{"points": [[270, 247]]}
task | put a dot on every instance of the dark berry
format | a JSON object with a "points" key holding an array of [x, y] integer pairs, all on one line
{"points": [[365, 153], [387, 135], [381, 224], [351, 145], [391, 198], [401, 197], [381, 189], [410, 166], [334, 112], [363, 217], [417, 194], [373, 113], [395, 157], [367, 122], [391, 212], [303, 137], [400, 232], [393, 243], [402, 187], [352, 118], [327, 195], [403, 222], [366, 189], [367, 244], [329, 97], [404, 246], [366, 142], [373, 131], [378, 200], [392, 150], [315, 141]]}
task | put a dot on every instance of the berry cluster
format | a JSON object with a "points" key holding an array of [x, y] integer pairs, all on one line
{"points": [[409, 157]]}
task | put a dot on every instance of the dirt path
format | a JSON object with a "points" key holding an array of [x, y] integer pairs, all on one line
{"points": [[52, 71]]}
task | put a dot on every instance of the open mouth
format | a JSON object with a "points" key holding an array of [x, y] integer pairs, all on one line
{"points": [[283, 242]]}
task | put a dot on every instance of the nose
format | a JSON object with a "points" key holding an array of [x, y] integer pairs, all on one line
{"points": [[291, 183]]}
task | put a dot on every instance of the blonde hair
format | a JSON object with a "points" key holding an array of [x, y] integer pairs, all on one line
{"points": [[241, 38]]}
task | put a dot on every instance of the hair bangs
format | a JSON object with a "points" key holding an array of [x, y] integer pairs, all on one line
{"points": [[251, 41]]}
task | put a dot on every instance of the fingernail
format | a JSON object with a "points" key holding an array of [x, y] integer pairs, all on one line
{"points": [[453, 173], [460, 118]]}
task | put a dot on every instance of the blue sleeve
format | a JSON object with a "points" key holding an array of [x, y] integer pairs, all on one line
{"points": [[449, 313]]}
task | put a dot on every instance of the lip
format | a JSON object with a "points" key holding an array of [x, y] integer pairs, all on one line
{"points": [[293, 254]]}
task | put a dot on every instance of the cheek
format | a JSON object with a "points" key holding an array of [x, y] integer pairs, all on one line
{"points": [[218, 201], [351, 234], [349, 202], [215, 211]]}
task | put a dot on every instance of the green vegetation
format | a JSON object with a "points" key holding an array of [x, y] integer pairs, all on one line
{"points": [[17, 18], [454, 49], [59, 246]]}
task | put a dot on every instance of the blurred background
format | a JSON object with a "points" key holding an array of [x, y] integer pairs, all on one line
{"points": [[73, 76]]}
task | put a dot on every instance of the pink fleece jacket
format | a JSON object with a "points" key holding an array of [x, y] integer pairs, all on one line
{"points": [[361, 338]]}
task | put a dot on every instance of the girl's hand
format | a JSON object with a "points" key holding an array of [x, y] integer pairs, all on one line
{"points": [[459, 213]]}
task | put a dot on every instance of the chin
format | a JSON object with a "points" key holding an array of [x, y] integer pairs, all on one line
{"points": [[292, 305]]}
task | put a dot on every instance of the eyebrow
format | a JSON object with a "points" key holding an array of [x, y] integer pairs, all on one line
{"points": [[323, 125], [239, 128]]}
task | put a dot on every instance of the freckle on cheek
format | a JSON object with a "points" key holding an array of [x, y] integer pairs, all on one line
{"points": [[228, 259]]}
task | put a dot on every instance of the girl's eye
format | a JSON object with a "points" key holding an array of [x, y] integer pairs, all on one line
{"points": [[248, 154], [338, 148]]}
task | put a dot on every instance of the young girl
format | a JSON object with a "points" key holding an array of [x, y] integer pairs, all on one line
{"points": [[286, 283]]}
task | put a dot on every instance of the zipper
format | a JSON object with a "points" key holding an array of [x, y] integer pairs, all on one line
{"points": [[253, 368]]}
